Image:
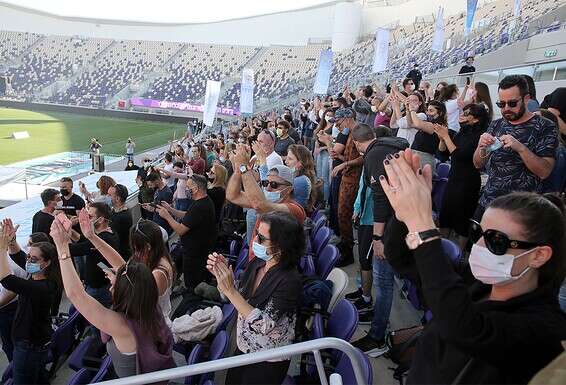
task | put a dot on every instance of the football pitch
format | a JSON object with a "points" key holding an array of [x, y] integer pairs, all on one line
{"points": [[53, 132]]}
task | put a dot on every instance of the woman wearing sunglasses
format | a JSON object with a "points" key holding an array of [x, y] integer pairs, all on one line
{"points": [[508, 326], [148, 247], [266, 297], [136, 336]]}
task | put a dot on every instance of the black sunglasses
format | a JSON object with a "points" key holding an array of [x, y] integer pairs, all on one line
{"points": [[265, 183], [496, 241], [510, 103]]}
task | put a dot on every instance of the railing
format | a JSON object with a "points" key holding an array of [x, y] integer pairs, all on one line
{"points": [[313, 346]]}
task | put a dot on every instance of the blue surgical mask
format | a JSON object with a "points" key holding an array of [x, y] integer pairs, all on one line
{"points": [[345, 131], [260, 251], [33, 267], [272, 196]]}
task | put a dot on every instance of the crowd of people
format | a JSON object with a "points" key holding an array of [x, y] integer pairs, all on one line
{"points": [[371, 159]]}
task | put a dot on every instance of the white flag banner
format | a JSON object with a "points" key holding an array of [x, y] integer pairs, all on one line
{"points": [[517, 8], [210, 101], [322, 79], [247, 91], [381, 50], [438, 39]]}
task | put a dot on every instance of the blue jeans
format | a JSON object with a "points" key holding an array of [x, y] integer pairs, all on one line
{"points": [[384, 281], [7, 314], [101, 294], [562, 297], [323, 172], [29, 364]]}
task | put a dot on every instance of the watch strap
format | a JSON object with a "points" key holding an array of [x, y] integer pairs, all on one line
{"points": [[427, 234], [376, 237]]}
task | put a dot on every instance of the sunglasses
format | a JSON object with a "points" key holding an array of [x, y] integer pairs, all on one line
{"points": [[125, 273], [265, 183], [261, 238], [138, 230], [496, 241], [510, 103]]}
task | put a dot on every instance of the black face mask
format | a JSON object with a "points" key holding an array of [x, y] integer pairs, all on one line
{"points": [[64, 192]]}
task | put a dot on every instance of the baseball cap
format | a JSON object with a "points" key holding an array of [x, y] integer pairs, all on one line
{"points": [[283, 172], [345, 112]]}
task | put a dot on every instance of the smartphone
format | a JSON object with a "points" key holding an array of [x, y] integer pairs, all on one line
{"points": [[103, 267], [66, 222], [154, 205]]}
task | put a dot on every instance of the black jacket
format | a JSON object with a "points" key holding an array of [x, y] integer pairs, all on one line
{"points": [[502, 342], [373, 168]]}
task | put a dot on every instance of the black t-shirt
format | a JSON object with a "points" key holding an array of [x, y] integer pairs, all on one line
{"points": [[32, 321], [94, 276], [425, 142], [121, 222], [342, 139], [71, 205], [41, 222], [159, 196], [218, 196], [282, 145], [466, 69], [201, 237]]}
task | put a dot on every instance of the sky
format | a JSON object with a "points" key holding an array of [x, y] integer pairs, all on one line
{"points": [[174, 11]]}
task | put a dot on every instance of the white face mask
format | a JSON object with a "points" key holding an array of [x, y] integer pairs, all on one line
{"points": [[335, 131], [374, 108], [320, 113], [59, 205], [493, 269]]}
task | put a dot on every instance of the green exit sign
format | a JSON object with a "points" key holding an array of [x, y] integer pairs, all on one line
{"points": [[550, 53]]}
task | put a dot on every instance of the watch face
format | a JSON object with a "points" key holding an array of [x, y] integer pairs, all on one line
{"points": [[413, 240], [243, 168]]}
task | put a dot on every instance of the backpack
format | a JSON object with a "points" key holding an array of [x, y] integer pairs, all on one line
{"points": [[402, 344]]}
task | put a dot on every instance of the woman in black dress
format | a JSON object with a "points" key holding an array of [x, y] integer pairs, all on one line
{"points": [[464, 182]]}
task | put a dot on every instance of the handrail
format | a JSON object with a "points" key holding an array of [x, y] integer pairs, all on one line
{"points": [[247, 359]]}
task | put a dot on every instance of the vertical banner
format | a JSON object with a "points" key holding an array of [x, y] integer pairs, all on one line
{"points": [[210, 101], [517, 8], [247, 91], [322, 79], [470, 13], [438, 39], [381, 50]]}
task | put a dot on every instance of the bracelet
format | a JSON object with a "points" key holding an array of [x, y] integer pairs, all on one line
{"points": [[64, 256]]}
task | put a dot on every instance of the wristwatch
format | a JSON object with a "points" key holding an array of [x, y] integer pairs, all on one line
{"points": [[64, 256], [376, 237], [244, 169], [416, 239]]}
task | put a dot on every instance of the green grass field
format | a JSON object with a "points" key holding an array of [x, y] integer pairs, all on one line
{"points": [[53, 132]]}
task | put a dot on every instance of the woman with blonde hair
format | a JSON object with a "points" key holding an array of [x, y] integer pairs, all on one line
{"points": [[300, 160], [217, 179]]}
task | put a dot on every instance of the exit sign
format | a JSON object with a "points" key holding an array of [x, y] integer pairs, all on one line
{"points": [[550, 53]]}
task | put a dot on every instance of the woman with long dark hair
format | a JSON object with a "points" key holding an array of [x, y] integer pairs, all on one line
{"points": [[136, 335], [482, 96], [464, 181], [426, 142], [148, 247], [506, 327], [300, 160], [267, 296], [31, 329]]}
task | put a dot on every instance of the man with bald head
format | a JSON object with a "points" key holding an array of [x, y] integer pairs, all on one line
{"points": [[266, 140]]}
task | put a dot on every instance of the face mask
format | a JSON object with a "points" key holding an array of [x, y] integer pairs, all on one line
{"points": [[260, 251], [328, 119], [59, 205], [33, 267], [335, 131], [146, 164], [345, 131], [279, 132], [272, 196], [320, 113], [64, 192], [293, 170], [412, 88], [493, 269], [222, 159], [374, 108]]}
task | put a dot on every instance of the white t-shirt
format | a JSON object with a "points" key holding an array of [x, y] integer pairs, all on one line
{"points": [[130, 148], [170, 180], [273, 159], [16, 270], [453, 114], [408, 132]]}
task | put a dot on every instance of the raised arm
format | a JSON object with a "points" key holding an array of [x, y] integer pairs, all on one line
{"points": [[419, 124], [108, 252]]}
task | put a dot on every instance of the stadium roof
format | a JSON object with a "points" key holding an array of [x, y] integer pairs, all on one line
{"points": [[169, 12]]}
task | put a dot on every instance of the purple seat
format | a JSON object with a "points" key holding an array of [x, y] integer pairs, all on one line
{"points": [[228, 314], [326, 261], [451, 250], [82, 377], [200, 353], [75, 361], [344, 369], [307, 265], [320, 240], [322, 221], [442, 170], [316, 214], [438, 188], [62, 341], [103, 371], [342, 323]]}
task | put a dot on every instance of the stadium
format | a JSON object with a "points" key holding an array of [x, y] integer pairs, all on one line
{"points": [[80, 82]]}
